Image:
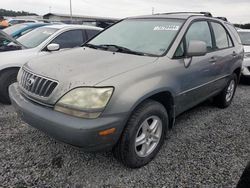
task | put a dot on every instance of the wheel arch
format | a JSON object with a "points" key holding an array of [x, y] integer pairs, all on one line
{"points": [[237, 71], [9, 68], [165, 97]]}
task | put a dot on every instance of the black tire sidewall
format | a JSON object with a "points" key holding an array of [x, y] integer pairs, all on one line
{"points": [[6, 79], [154, 109], [232, 77]]}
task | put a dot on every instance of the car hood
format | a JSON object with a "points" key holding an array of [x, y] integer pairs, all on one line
{"points": [[16, 58], [84, 67]]}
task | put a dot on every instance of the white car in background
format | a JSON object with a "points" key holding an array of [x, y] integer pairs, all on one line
{"points": [[245, 39], [40, 41]]}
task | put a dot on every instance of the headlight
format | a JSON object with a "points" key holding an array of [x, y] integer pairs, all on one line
{"points": [[84, 102], [247, 55]]}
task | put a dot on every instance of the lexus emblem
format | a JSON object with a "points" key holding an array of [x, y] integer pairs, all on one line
{"points": [[30, 82]]}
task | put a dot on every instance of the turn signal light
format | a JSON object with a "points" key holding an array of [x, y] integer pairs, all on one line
{"points": [[107, 132]]}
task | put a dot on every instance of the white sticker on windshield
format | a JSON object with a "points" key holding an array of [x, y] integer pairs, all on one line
{"points": [[167, 28]]}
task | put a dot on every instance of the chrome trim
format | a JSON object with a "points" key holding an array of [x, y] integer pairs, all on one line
{"points": [[36, 90], [197, 87]]}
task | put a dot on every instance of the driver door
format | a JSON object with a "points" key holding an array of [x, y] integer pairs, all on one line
{"points": [[196, 79]]}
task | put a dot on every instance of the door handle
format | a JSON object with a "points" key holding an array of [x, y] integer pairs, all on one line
{"points": [[213, 60]]}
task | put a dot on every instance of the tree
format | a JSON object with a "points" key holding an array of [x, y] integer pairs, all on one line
{"points": [[10, 13]]}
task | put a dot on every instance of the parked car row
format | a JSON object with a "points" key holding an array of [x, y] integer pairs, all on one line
{"points": [[124, 88]]}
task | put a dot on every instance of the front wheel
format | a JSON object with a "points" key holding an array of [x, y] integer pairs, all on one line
{"points": [[224, 99], [143, 135]]}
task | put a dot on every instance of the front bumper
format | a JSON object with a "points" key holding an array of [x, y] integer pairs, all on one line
{"points": [[75, 131], [246, 67]]}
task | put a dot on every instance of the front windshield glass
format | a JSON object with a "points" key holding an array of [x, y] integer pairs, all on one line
{"points": [[148, 36], [36, 37], [12, 29], [245, 38]]}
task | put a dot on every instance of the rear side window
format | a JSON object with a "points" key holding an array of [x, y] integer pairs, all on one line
{"points": [[233, 30], [70, 39], [200, 31], [222, 39], [91, 33]]}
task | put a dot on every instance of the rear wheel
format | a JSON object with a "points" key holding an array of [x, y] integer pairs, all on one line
{"points": [[224, 99], [143, 135], [7, 78]]}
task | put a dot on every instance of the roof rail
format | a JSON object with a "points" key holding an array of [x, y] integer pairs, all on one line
{"points": [[208, 14], [222, 18]]}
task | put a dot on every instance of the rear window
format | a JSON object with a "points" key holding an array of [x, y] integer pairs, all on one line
{"points": [[222, 39]]}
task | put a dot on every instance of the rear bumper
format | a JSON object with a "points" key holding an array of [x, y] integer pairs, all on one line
{"points": [[75, 131]]}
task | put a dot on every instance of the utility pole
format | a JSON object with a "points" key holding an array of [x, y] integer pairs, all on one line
{"points": [[71, 18], [49, 9], [153, 9]]}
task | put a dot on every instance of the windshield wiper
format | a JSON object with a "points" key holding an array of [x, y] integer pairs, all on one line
{"points": [[116, 48], [94, 46]]}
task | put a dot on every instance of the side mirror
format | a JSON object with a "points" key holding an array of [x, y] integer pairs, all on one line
{"points": [[196, 48], [53, 47]]}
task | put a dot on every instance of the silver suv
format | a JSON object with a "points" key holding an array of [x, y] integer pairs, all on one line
{"points": [[124, 88]]}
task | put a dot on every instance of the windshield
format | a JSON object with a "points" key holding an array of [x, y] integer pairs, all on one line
{"points": [[148, 36], [245, 38], [36, 37], [12, 29]]}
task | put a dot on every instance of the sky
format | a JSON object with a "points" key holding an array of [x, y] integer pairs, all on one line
{"points": [[237, 11]]}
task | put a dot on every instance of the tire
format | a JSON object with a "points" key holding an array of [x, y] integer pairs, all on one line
{"points": [[148, 113], [224, 99], [7, 78]]}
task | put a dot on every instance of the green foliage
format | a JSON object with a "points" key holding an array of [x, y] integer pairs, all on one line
{"points": [[10, 13]]}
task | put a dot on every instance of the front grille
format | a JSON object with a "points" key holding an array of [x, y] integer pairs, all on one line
{"points": [[36, 84]]}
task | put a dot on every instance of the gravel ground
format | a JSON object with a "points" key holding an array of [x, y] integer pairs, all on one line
{"points": [[208, 147]]}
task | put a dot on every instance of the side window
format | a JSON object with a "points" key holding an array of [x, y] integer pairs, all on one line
{"points": [[200, 31], [234, 32], [222, 39], [91, 33], [197, 31], [180, 52], [69, 39]]}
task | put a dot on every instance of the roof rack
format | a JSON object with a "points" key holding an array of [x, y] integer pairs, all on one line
{"points": [[208, 14], [222, 18]]}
